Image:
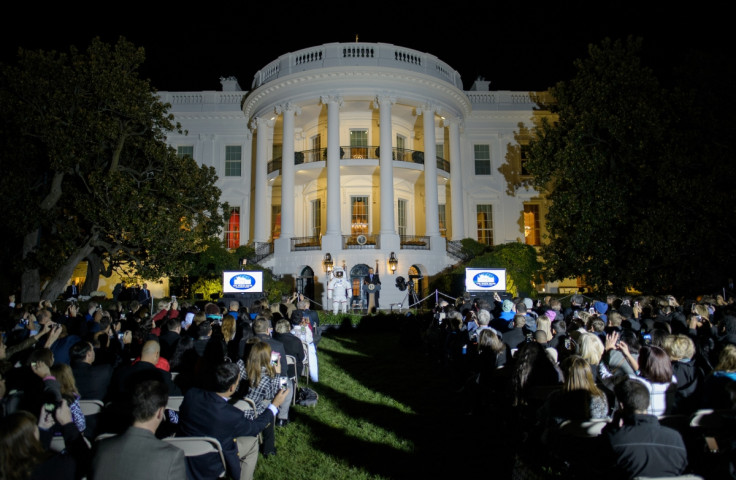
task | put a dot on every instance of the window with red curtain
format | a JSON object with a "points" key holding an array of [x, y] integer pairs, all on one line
{"points": [[232, 235]]}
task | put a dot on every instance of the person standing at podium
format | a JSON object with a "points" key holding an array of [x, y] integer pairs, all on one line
{"points": [[372, 279]]}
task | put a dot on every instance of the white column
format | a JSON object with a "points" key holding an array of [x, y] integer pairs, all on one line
{"points": [[384, 103], [456, 181], [261, 205], [333, 164], [245, 237], [287, 170], [430, 173]]}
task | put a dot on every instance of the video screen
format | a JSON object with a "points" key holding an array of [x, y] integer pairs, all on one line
{"points": [[242, 282], [485, 279]]}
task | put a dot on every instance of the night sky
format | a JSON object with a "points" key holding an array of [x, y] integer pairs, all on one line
{"points": [[516, 46]]}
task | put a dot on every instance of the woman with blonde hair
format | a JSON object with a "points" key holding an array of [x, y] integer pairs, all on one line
{"points": [[70, 393], [545, 324], [715, 389], [264, 371], [681, 350], [591, 348]]}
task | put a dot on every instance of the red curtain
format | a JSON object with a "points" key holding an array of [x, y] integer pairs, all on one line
{"points": [[233, 231]]}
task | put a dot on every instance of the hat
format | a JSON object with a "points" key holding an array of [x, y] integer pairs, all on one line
{"points": [[507, 305], [551, 314], [529, 303], [600, 307]]}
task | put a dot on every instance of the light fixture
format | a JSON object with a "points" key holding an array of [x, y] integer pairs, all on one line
{"points": [[243, 263], [392, 262], [327, 262]]}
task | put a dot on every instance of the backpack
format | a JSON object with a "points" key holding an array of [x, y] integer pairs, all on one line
{"points": [[306, 397]]}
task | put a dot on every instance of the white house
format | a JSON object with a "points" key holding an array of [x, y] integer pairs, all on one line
{"points": [[328, 157]]}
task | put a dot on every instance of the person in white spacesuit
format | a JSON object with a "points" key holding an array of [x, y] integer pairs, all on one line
{"points": [[338, 290]]}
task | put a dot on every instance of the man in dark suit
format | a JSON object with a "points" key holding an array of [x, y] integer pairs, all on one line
{"points": [[293, 347], [517, 335], [372, 279], [72, 291], [93, 381], [138, 453], [209, 413], [170, 337], [144, 296]]}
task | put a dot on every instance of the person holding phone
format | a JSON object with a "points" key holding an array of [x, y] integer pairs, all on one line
{"points": [[263, 369]]}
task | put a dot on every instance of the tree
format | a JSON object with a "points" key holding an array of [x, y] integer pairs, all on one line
{"points": [[90, 173], [630, 179]]}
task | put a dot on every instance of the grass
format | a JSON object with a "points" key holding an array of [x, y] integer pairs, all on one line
{"points": [[384, 412]]}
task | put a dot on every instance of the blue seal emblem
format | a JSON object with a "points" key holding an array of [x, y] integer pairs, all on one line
{"points": [[242, 282], [485, 280]]}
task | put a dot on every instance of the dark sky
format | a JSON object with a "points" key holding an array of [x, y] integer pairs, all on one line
{"points": [[516, 45]]}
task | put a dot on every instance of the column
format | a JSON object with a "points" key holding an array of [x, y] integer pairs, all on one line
{"points": [[333, 102], [245, 235], [262, 206], [287, 170], [430, 172], [456, 181], [388, 225]]}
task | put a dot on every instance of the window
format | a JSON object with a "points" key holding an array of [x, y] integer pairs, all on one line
{"points": [[482, 159], [233, 160], [316, 142], [316, 217], [485, 224], [524, 158], [185, 151], [402, 216], [443, 219], [531, 225], [275, 221], [359, 215], [358, 143], [232, 234], [401, 148], [440, 147]]}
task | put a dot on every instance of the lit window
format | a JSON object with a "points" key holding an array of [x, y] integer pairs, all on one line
{"points": [[233, 160], [443, 219], [358, 143], [482, 159], [402, 216], [275, 221], [359, 215], [484, 215], [232, 235], [531, 224], [316, 217]]}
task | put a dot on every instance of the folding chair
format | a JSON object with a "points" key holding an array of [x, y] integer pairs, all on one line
{"points": [[291, 360], [90, 407], [196, 446], [248, 404], [305, 363]]}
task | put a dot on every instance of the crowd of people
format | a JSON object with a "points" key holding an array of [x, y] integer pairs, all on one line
{"points": [[133, 362], [604, 388]]}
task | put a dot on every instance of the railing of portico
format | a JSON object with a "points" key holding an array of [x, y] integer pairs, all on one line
{"points": [[414, 242], [262, 250], [360, 242], [359, 153], [305, 243]]}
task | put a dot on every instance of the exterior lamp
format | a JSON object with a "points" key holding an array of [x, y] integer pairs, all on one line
{"points": [[392, 262], [327, 263], [243, 263]]}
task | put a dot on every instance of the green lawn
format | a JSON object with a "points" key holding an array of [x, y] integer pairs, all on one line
{"points": [[385, 412]]}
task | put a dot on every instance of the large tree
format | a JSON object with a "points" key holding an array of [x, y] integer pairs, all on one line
{"points": [[88, 173], [639, 176]]}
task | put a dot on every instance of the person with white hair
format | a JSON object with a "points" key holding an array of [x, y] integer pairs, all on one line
{"points": [[338, 290]]}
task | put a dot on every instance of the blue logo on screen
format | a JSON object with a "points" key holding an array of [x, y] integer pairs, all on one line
{"points": [[242, 282], [485, 280]]}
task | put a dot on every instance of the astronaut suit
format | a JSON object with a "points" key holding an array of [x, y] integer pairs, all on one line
{"points": [[338, 290]]}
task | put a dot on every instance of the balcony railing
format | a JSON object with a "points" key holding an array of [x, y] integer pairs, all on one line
{"points": [[414, 242], [359, 153], [299, 244], [359, 242], [262, 250]]}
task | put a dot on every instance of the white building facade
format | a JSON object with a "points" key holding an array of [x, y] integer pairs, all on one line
{"points": [[367, 154]]}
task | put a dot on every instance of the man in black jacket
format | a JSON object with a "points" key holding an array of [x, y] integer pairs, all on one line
{"points": [[635, 444]]}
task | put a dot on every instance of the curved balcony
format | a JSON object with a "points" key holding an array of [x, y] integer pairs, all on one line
{"points": [[356, 54], [359, 153]]}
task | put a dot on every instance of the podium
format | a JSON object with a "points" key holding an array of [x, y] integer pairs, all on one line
{"points": [[370, 290]]}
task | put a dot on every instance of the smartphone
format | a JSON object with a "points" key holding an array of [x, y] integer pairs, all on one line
{"points": [[173, 298], [121, 335], [647, 338], [283, 383], [274, 358]]}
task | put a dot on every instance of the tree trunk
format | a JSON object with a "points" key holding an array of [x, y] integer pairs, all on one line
{"points": [[60, 278], [30, 283], [92, 279]]}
